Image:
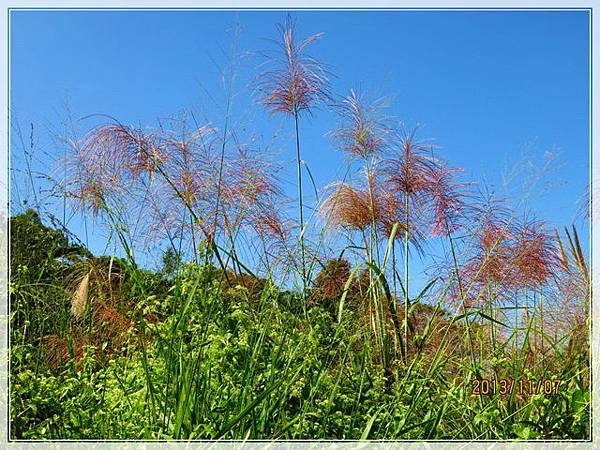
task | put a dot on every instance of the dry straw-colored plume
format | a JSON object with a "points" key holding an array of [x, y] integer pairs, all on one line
{"points": [[79, 299]]}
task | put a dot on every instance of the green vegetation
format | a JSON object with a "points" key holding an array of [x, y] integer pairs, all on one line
{"points": [[191, 357]]}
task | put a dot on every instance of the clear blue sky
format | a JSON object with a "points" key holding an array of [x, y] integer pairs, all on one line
{"points": [[488, 86]]}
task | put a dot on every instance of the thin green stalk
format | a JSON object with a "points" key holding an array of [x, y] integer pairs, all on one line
{"points": [[372, 256], [542, 330], [223, 146], [406, 260], [534, 320], [193, 233], [492, 324], [394, 266], [516, 333], [300, 203], [460, 288]]}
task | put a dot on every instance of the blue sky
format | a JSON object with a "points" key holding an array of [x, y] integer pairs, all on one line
{"points": [[498, 91]]}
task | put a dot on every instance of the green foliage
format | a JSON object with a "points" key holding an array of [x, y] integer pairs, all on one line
{"points": [[36, 248], [40, 260], [171, 261], [210, 359]]}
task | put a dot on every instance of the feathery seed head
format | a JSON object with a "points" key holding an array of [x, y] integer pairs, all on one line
{"points": [[362, 132], [410, 169], [298, 82], [348, 207], [534, 254], [448, 200]]}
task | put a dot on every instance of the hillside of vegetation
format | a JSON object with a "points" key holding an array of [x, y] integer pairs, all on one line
{"points": [[104, 350]]}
